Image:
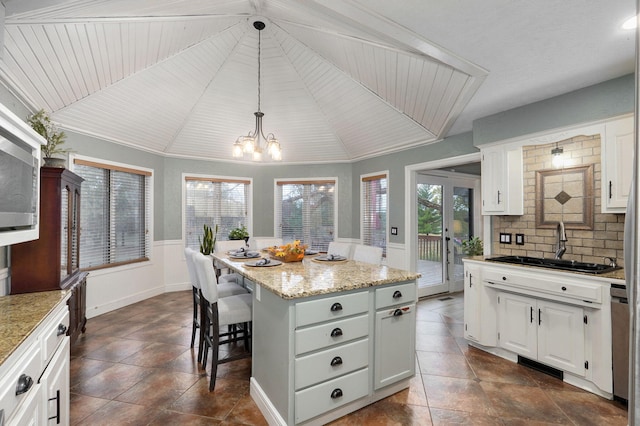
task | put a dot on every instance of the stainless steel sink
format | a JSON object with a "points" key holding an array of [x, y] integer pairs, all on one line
{"points": [[566, 265]]}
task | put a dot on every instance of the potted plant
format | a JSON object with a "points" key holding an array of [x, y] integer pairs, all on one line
{"points": [[239, 233], [473, 247], [208, 241], [42, 124]]}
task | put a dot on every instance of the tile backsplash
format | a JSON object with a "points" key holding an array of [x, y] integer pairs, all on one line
{"points": [[606, 237]]}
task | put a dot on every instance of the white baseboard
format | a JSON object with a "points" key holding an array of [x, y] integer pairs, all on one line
{"points": [[264, 404], [124, 301]]}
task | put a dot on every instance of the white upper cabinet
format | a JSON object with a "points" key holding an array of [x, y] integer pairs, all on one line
{"points": [[502, 181], [617, 164]]}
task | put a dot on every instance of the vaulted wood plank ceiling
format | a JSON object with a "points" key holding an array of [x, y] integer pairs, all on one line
{"points": [[341, 80]]}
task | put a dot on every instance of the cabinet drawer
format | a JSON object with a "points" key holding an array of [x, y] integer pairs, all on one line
{"points": [[330, 308], [315, 368], [29, 365], [395, 295], [543, 282], [332, 333], [55, 333], [330, 395]]}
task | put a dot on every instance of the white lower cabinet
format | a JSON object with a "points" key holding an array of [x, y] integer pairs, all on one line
{"points": [[55, 382], [395, 331], [545, 331], [559, 319], [472, 320]]}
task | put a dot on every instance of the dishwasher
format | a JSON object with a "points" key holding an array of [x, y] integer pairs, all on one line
{"points": [[620, 340]]}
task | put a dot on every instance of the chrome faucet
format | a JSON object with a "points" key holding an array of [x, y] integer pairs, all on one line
{"points": [[562, 239]]}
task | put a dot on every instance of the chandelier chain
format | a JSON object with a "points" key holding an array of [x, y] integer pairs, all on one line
{"points": [[259, 70]]}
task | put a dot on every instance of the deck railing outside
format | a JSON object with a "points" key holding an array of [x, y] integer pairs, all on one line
{"points": [[430, 247]]}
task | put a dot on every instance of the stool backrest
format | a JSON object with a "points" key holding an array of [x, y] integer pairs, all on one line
{"points": [[369, 254], [263, 242], [341, 249], [225, 246], [206, 277], [191, 267]]}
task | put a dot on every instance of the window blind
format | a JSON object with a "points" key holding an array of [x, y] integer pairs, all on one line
{"points": [[115, 214], [214, 201], [374, 211], [306, 211]]}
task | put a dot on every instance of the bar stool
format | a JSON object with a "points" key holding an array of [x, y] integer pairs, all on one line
{"points": [[224, 247], [217, 312], [224, 290], [369, 254]]}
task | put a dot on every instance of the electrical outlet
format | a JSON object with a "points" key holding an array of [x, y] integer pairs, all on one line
{"points": [[505, 238], [394, 230], [520, 239]]}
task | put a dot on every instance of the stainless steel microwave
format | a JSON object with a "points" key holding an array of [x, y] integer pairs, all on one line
{"points": [[19, 179]]}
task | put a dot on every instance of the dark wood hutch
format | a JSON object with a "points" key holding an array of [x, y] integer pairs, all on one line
{"points": [[53, 261]]}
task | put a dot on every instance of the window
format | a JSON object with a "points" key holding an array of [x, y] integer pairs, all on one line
{"points": [[306, 211], [115, 214], [374, 211], [214, 201]]}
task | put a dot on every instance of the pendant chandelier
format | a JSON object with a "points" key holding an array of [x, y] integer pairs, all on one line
{"points": [[251, 144]]}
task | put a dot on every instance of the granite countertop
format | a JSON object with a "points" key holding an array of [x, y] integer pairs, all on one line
{"points": [[617, 275], [20, 314], [311, 278]]}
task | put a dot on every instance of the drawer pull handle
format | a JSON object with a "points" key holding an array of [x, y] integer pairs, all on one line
{"points": [[336, 361], [57, 399], [336, 307], [337, 393], [62, 329], [336, 332], [564, 288], [24, 384], [397, 313], [397, 294]]}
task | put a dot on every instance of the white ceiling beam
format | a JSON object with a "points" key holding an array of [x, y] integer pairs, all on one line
{"points": [[356, 15]]}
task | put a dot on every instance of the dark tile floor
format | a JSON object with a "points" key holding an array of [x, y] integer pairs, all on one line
{"points": [[134, 366]]}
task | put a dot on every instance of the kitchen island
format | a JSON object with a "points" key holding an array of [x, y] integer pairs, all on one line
{"points": [[328, 337]]}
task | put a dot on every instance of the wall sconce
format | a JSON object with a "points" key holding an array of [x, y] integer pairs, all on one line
{"points": [[557, 159]]}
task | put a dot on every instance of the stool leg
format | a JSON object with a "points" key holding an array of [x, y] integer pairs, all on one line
{"points": [[195, 324], [203, 327], [215, 340]]}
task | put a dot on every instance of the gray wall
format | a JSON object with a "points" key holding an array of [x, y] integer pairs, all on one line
{"points": [[450, 147], [611, 98]]}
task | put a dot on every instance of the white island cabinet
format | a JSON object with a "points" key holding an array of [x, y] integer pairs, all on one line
{"points": [[556, 318], [34, 356], [328, 339]]}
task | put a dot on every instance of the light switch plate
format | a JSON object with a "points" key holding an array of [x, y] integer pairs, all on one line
{"points": [[505, 238], [520, 239]]}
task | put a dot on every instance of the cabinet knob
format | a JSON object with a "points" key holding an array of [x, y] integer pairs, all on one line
{"points": [[504, 278], [397, 294], [564, 288], [336, 332], [337, 393], [336, 361], [62, 329], [397, 312], [336, 307], [24, 384]]}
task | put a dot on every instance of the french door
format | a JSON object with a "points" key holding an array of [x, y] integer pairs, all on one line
{"points": [[445, 218]]}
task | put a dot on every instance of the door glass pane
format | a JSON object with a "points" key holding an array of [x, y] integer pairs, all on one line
{"points": [[430, 227], [462, 226]]}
